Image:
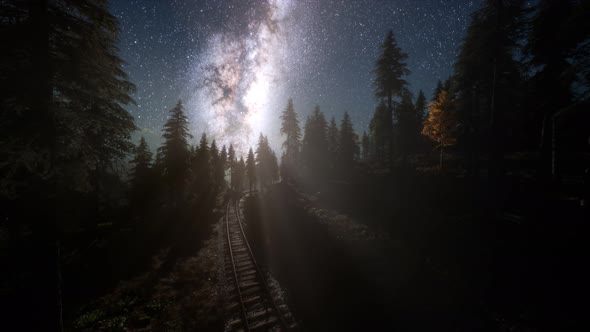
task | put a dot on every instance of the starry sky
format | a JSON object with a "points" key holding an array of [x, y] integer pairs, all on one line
{"points": [[234, 63]]}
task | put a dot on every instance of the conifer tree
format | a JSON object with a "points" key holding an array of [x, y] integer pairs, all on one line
{"points": [[231, 159], [332, 142], [558, 50], [214, 162], [141, 164], [390, 68], [201, 167], [221, 167], [251, 169], [348, 144], [290, 129], [407, 125], [239, 175], [378, 131], [488, 78], [175, 150], [264, 167], [420, 107], [365, 146], [314, 147]]}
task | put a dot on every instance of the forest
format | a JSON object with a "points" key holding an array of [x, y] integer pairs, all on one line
{"points": [[461, 209]]}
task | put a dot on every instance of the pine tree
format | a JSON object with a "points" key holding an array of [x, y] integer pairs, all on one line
{"points": [[441, 123], [214, 163], [378, 131], [420, 107], [221, 167], [407, 125], [141, 164], [389, 71], [238, 175], [202, 168], [348, 144], [332, 141], [558, 49], [274, 167], [366, 149], [314, 147], [488, 77], [175, 151], [63, 122], [290, 128], [67, 121], [264, 167], [251, 169]]}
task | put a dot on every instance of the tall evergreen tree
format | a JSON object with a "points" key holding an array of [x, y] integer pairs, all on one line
{"points": [[488, 77], [389, 71], [420, 107], [63, 123], [62, 111], [141, 164], [264, 162], [366, 146], [407, 125], [348, 144], [378, 131], [221, 167], [175, 151], [332, 141], [290, 128], [238, 174], [201, 168], [251, 169], [314, 147], [214, 163], [559, 52]]}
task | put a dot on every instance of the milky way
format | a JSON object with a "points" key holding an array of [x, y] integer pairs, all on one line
{"points": [[238, 76], [234, 63]]}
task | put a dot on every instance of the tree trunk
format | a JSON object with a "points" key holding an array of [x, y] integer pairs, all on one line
{"points": [[440, 164]]}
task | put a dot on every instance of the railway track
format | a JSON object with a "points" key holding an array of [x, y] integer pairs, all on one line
{"points": [[251, 306]]}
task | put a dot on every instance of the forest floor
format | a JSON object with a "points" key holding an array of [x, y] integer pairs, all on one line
{"points": [[168, 292], [415, 266]]}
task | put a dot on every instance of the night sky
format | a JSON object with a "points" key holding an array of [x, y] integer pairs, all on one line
{"points": [[235, 63]]}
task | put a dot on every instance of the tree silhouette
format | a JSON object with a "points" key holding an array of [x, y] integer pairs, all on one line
{"points": [[238, 174], [141, 164], [558, 49], [251, 169], [378, 131], [175, 152], [332, 141], [202, 168], [290, 128], [407, 125], [348, 144], [314, 147], [221, 167], [488, 77], [264, 161], [390, 68], [64, 124], [440, 124], [366, 146]]}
